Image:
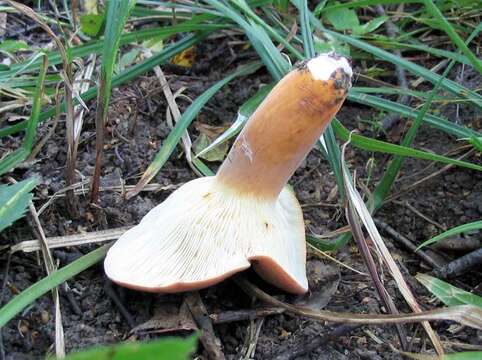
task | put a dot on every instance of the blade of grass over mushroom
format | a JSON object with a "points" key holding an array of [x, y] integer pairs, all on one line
{"points": [[117, 13], [29, 295], [369, 144], [120, 79], [476, 225], [448, 294], [418, 70], [183, 123], [19, 155], [244, 113], [329, 146]]}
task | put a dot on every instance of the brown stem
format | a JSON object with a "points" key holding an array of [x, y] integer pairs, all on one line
{"points": [[282, 131]]}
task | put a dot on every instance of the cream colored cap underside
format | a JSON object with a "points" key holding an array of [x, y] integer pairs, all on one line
{"points": [[203, 232]]}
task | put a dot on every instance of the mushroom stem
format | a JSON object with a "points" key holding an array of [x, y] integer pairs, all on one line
{"points": [[285, 127]]}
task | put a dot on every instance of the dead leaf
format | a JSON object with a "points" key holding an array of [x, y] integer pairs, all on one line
{"points": [[167, 319], [184, 58], [207, 134], [323, 279]]}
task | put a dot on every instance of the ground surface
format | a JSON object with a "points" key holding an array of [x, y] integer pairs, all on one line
{"points": [[451, 198]]}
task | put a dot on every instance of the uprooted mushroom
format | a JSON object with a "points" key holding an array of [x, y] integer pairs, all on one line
{"points": [[245, 215]]}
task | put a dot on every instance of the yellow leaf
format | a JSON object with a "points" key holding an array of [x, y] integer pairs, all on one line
{"points": [[184, 58]]}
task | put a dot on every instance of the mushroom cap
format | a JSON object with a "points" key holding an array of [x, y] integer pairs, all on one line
{"points": [[205, 232]]}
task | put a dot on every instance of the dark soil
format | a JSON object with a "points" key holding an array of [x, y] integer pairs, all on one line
{"points": [[136, 130]]}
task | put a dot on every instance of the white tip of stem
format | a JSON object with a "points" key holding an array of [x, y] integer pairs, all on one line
{"points": [[324, 65]]}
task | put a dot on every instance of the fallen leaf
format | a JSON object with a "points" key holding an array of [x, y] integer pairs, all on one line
{"points": [[184, 58]]}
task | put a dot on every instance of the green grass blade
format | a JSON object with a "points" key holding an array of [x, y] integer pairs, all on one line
{"points": [[187, 117], [19, 155], [329, 245], [369, 144], [390, 43], [13, 159], [306, 33], [117, 13], [29, 295], [448, 294], [14, 200], [476, 225], [432, 120], [161, 349], [36, 106]]}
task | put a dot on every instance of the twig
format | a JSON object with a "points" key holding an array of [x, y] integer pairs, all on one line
{"points": [[372, 269], [460, 265], [71, 240], [458, 243], [428, 177], [252, 339], [324, 254], [244, 314], [464, 314], [406, 242], [50, 267], [110, 291], [208, 338], [418, 213], [314, 343]]}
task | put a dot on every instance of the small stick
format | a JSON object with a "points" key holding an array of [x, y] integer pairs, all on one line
{"points": [[315, 343], [428, 177], [466, 314], [374, 273], [245, 314], [50, 267], [208, 338], [460, 265], [406, 242], [110, 291], [71, 240]]}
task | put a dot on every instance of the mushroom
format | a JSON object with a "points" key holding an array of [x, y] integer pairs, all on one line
{"points": [[213, 227]]}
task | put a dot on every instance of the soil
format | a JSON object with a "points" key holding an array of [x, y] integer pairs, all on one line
{"points": [[136, 130]]}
